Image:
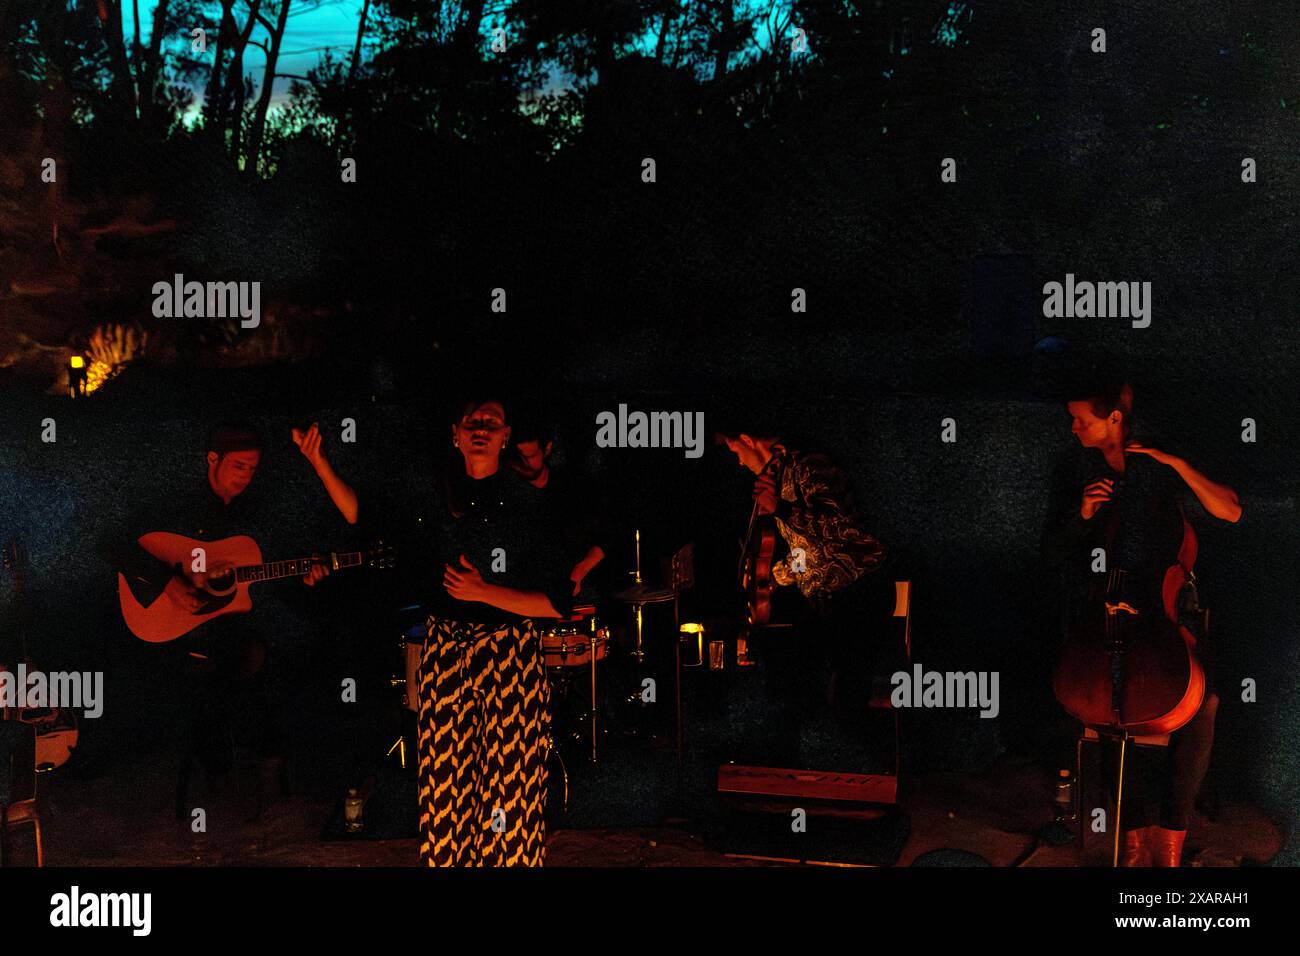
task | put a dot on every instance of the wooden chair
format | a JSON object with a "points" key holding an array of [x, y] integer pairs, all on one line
{"points": [[18, 785], [882, 685], [1089, 735]]}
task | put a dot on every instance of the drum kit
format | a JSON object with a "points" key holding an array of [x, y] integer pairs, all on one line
{"points": [[573, 650]]}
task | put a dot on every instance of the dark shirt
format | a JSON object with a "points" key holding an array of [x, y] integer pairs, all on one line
{"points": [[577, 514], [500, 523], [196, 513], [1140, 528]]}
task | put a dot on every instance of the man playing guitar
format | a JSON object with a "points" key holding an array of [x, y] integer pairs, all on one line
{"points": [[228, 658]]}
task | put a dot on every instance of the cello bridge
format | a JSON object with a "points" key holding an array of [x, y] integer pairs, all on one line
{"points": [[1112, 607]]}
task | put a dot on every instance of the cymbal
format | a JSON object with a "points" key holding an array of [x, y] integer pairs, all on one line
{"points": [[644, 594]]}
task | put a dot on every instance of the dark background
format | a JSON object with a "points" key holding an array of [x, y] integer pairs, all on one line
{"points": [[819, 173]]}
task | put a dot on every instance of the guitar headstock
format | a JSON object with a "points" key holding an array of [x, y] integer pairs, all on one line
{"points": [[380, 555]]}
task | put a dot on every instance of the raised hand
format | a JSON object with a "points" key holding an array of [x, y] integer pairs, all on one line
{"points": [[309, 443]]}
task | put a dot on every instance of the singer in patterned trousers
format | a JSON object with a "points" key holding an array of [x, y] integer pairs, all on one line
{"points": [[483, 724]]}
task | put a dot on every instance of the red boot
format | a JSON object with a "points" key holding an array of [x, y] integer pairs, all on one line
{"points": [[1167, 846], [1137, 848]]}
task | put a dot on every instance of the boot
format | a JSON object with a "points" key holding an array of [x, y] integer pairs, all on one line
{"points": [[1137, 848], [1167, 846]]}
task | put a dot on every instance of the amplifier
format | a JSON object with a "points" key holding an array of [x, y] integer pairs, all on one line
{"points": [[810, 816]]}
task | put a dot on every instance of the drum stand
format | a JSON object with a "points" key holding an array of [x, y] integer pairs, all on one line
{"points": [[594, 710], [400, 743], [554, 751], [638, 596], [400, 746], [408, 681], [639, 653]]}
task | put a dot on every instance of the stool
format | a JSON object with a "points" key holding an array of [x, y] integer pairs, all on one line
{"points": [[1091, 735]]}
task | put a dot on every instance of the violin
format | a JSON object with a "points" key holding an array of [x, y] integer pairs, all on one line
{"points": [[755, 570]]}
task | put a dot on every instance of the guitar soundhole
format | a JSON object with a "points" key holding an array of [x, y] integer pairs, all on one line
{"points": [[222, 582]]}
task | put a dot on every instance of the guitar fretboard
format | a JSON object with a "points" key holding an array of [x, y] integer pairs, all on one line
{"points": [[293, 567]]}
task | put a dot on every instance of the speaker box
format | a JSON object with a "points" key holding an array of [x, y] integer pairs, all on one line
{"points": [[814, 817]]}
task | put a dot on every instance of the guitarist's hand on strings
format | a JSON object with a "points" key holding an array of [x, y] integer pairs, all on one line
{"points": [[765, 493], [183, 593], [1094, 496], [319, 569]]}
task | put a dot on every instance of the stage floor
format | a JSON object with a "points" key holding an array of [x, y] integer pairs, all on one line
{"points": [[126, 818]]}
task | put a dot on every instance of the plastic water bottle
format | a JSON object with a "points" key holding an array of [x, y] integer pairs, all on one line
{"points": [[352, 806], [1063, 798]]}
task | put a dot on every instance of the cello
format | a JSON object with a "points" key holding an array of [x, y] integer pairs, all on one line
{"points": [[1130, 671]]}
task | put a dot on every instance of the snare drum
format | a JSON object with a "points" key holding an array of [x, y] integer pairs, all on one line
{"points": [[568, 643]]}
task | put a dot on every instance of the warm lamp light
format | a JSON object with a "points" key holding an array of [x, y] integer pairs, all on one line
{"points": [[692, 638], [77, 376]]}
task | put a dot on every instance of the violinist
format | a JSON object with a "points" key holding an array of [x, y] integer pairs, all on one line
{"points": [[835, 565]]}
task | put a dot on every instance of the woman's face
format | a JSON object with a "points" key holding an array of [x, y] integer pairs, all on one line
{"points": [[481, 433]]}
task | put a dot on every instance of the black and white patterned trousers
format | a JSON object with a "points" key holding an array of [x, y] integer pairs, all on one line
{"points": [[483, 724]]}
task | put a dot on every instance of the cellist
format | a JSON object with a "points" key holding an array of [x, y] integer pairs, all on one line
{"points": [[1130, 501]]}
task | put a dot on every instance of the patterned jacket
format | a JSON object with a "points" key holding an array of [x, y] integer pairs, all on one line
{"points": [[815, 514]]}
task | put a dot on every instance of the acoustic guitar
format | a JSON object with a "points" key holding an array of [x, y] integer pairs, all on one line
{"points": [[232, 566]]}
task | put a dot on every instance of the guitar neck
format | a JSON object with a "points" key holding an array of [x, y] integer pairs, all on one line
{"points": [[295, 567]]}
